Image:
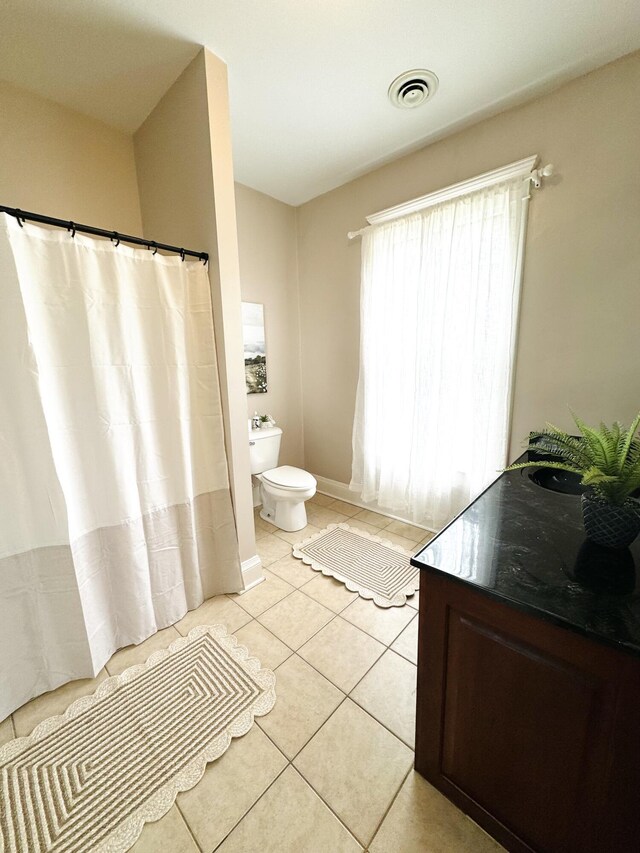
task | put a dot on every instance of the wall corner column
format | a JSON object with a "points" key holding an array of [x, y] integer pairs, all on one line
{"points": [[227, 301], [185, 178]]}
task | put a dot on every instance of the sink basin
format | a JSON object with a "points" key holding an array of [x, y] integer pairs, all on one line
{"points": [[563, 482], [555, 480]]}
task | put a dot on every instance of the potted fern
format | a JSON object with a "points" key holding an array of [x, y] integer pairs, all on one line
{"points": [[607, 459]]}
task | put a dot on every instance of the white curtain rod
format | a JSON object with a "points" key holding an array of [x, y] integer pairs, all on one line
{"points": [[504, 173]]}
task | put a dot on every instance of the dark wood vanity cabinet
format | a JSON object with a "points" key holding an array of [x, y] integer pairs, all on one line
{"points": [[530, 728]]}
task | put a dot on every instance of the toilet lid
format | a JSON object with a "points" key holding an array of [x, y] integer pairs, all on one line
{"points": [[289, 477]]}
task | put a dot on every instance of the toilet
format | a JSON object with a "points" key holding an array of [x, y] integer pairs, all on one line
{"points": [[283, 490]]}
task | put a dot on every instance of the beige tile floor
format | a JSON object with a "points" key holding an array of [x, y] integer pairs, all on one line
{"points": [[329, 769]]}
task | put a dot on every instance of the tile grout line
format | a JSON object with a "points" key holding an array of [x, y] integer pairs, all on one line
{"points": [[289, 649], [290, 763], [296, 651], [254, 804], [408, 625], [355, 701], [362, 521], [385, 526], [367, 711], [344, 696], [333, 684], [297, 589], [323, 801], [310, 784], [186, 823], [357, 627], [313, 734], [387, 645], [271, 605], [306, 781], [335, 616], [364, 675], [393, 799]]}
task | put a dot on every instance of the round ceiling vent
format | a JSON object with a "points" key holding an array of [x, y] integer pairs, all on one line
{"points": [[413, 88]]}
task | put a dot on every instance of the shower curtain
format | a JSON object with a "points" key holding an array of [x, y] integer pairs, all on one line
{"points": [[115, 510]]}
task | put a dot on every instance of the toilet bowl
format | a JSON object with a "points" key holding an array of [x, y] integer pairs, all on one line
{"points": [[284, 491]]}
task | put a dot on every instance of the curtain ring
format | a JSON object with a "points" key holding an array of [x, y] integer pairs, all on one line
{"points": [[205, 258], [182, 254], [155, 247], [72, 227], [115, 237], [18, 212]]}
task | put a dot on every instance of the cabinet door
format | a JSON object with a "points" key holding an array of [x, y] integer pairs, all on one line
{"points": [[515, 719]]}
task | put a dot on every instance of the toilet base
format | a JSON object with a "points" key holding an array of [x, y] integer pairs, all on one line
{"points": [[287, 515]]}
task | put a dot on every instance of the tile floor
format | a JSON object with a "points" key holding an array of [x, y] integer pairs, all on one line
{"points": [[329, 769]]}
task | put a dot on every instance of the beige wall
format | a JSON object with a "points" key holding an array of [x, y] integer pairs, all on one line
{"points": [[579, 342], [185, 175], [269, 274], [58, 162], [581, 293]]}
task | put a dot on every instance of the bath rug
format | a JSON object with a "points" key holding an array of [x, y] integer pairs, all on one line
{"points": [[92, 777], [369, 565]]}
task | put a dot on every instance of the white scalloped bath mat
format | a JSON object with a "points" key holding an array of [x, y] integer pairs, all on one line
{"points": [[91, 778], [373, 567]]}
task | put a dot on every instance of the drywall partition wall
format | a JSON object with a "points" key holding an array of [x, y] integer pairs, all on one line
{"points": [[578, 340], [56, 161], [269, 275], [185, 176]]}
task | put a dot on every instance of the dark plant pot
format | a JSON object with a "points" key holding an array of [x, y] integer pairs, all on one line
{"points": [[605, 570], [609, 525]]}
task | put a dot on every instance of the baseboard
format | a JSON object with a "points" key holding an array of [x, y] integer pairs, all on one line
{"points": [[252, 572], [342, 492]]}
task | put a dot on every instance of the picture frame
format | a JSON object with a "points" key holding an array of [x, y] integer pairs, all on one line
{"points": [[253, 337]]}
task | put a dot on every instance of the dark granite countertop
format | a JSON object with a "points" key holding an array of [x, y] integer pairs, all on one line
{"points": [[526, 546]]}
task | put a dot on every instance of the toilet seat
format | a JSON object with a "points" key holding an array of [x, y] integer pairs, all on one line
{"points": [[288, 477]]}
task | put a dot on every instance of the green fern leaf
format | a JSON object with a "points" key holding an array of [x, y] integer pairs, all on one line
{"points": [[594, 477], [601, 453], [559, 443], [628, 440]]}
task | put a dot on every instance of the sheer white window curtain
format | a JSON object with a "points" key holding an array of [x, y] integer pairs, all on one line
{"points": [[439, 305]]}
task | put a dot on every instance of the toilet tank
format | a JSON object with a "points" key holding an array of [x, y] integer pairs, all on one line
{"points": [[264, 449]]}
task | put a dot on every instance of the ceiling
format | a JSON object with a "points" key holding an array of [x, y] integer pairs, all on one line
{"points": [[308, 78]]}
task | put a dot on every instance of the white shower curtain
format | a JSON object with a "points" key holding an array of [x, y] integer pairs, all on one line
{"points": [[115, 511], [438, 314]]}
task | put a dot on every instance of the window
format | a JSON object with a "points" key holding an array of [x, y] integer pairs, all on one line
{"points": [[439, 305]]}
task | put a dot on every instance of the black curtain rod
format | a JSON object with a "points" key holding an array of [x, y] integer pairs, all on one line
{"points": [[23, 215]]}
